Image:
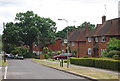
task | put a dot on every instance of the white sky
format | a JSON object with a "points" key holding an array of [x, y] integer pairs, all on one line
{"points": [[71, 10]]}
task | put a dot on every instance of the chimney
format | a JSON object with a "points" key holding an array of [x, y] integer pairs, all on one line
{"points": [[103, 19], [86, 28]]}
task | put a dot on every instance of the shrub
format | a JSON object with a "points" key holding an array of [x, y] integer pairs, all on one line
{"points": [[85, 56], [113, 52], [46, 56], [116, 57], [58, 52], [105, 53], [37, 57], [29, 55], [97, 62], [74, 52]]}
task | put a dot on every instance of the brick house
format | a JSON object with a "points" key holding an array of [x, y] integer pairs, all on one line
{"points": [[98, 38], [37, 49], [77, 41], [56, 46]]}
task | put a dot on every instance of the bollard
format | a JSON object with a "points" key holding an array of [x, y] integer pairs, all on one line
{"points": [[62, 62], [67, 62]]}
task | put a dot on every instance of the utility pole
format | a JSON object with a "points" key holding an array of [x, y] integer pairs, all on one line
{"points": [[4, 44]]}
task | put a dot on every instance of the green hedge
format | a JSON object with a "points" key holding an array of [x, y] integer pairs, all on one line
{"points": [[97, 62]]}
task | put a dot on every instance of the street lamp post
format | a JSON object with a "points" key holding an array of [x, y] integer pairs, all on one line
{"points": [[66, 43], [4, 44]]}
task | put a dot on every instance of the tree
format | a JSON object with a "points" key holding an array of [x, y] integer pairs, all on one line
{"points": [[47, 30], [113, 48], [63, 33], [11, 34], [91, 26], [29, 32], [114, 44], [27, 29]]}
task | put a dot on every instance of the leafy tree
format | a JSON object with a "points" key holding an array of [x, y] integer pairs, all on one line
{"points": [[11, 34], [63, 33], [114, 44], [113, 48], [91, 26], [29, 32], [47, 30], [27, 29]]}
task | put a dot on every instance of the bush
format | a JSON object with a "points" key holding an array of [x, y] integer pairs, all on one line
{"points": [[29, 55], [37, 57], [105, 53], [113, 52], [97, 62], [85, 56], [82, 61], [116, 57], [46, 56], [74, 52]]}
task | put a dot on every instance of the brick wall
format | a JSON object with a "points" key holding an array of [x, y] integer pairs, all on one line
{"points": [[56, 46]]}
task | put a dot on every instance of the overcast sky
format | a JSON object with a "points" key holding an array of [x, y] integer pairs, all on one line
{"points": [[71, 10]]}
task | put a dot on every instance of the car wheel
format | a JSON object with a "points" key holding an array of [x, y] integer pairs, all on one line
{"points": [[57, 58]]}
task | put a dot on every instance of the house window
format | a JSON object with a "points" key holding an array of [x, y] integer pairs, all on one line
{"points": [[62, 43], [103, 39], [96, 39], [89, 39], [89, 51], [102, 51], [68, 43], [73, 44]]}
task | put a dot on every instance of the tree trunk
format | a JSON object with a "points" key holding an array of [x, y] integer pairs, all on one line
{"points": [[31, 48]]}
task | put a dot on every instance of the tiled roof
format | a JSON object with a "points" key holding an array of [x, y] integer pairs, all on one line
{"points": [[110, 27], [77, 35]]}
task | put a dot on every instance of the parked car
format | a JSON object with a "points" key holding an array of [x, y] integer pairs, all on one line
{"points": [[11, 56], [19, 56], [63, 56]]}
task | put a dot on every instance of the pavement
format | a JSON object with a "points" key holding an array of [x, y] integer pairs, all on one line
{"points": [[90, 68]]}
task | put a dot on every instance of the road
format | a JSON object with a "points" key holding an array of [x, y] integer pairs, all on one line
{"points": [[25, 69]]}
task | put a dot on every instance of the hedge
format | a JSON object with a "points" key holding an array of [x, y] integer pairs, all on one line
{"points": [[97, 62]]}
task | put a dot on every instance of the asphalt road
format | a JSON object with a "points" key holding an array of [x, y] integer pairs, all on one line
{"points": [[25, 69]]}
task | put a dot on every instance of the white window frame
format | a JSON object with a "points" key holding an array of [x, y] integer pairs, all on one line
{"points": [[103, 39], [63, 44], [89, 39], [73, 43], [96, 39], [89, 51]]}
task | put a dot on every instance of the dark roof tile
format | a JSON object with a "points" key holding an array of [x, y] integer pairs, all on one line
{"points": [[77, 35]]}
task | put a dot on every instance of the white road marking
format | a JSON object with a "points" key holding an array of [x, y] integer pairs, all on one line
{"points": [[0, 67], [5, 75]]}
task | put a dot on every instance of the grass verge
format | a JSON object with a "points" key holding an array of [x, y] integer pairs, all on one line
{"points": [[90, 73], [2, 63], [82, 71]]}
